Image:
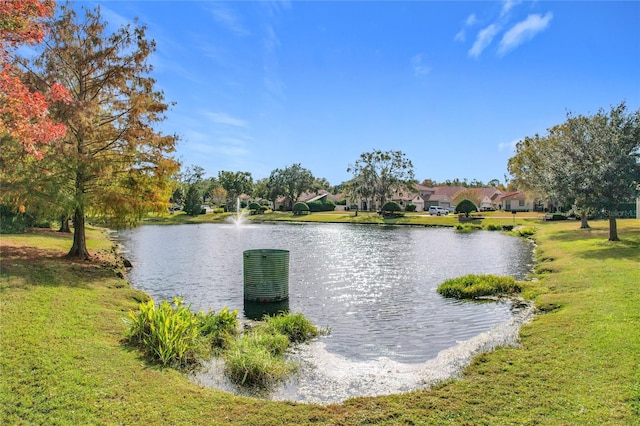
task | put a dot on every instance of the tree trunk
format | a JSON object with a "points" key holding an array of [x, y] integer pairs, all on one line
{"points": [[79, 247], [613, 229], [64, 224], [584, 221]]}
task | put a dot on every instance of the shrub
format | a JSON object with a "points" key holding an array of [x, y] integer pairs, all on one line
{"points": [[410, 208], [315, 206], [319, 206], [249, 362], [493, 227], [467, 227], [300, 208], [219, 327], [254, 206], [466, 206], [525, 231], [475, 286], [295, 326], [169, 334], [391, 206]]}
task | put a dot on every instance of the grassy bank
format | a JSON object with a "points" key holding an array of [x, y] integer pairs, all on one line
{"points": [[62, 360], [417, 219]]}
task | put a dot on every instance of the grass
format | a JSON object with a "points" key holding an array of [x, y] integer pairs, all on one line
{"points": [[474, 286], [491, 219], [62, 359]]}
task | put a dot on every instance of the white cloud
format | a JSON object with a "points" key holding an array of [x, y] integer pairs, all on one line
{"points": [[224, 118], [228, 19], [523, 31], [469, 22], [483, 40], [419, 68], [508, 5]]}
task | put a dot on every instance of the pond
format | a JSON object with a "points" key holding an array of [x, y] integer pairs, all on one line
{"points": [[374, 287]]}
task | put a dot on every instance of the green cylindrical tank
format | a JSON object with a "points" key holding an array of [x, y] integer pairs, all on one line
{"points": [[266, 275]]}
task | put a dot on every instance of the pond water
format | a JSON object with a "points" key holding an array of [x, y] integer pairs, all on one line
{"points": [[374, 287]]}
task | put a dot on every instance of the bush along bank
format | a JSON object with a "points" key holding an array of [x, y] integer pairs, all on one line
{"points": [[172, 335], [479, 286]]}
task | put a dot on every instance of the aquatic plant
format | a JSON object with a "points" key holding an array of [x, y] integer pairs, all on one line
{"points": [[219, 327], [251, 362], [293, 325], [168, 333], [475, 286]]}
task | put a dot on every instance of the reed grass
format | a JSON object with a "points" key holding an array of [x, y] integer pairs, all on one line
{"points": [[474, 286]]}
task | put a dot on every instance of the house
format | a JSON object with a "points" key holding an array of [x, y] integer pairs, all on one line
{"points": [[412, 198], [516, 201]]}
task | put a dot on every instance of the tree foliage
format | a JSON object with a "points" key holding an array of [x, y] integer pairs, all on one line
{"points": [[590, 162], [24, 113], [290, 183], [236, 184], [380, 174], [193, 200], [112, 163], [466, 206]]}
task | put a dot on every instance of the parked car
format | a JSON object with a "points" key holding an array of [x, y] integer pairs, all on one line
{"points": [[438, 211]]}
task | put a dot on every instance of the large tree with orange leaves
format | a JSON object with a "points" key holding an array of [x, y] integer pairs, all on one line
{"points": [[24, 114], [113, 164]]}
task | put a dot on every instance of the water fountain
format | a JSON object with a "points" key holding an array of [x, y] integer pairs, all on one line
{"points": [[239, 218]]}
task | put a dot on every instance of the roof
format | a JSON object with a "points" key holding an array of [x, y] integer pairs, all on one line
{"points": [[514, 194]]}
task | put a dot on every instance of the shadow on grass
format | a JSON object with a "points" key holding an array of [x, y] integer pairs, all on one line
{"points": [[41, 267], [626, 248], [596, 244]]}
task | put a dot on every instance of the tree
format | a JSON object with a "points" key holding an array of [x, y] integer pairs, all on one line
{"points": [[466, 206], [380, 174], [193, 200], [113, 163], [590, 162], [261, 189], [290, 183], [494, 183], [236, 184], [321, 183], [217, 195], [25, 115]]}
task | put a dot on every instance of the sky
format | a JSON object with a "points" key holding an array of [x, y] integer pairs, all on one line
{"points": [[453, 85]]}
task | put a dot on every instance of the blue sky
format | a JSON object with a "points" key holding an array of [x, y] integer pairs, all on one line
{"points": [[453, 85]]}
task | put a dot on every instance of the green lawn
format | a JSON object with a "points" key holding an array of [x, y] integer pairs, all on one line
{"points": [[418, 219], [62, 360]]}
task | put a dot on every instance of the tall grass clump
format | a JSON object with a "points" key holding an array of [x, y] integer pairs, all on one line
{"points": [[168, 333], [467, 227], [493, 227], [255, 360], [525, 231], [475, 286], [219, 327], [295, 326]]}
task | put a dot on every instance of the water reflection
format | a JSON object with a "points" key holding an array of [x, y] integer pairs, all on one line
{"points": [[374, 287]]}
